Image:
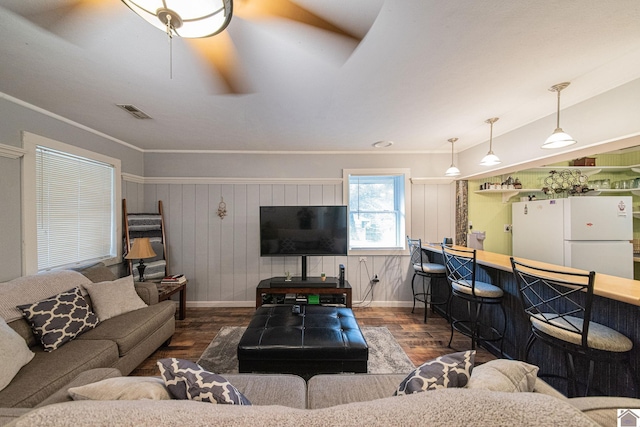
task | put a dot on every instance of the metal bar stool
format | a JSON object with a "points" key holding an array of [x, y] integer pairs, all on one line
{"points": [[428, 271], [558, 304], [460, 264]]}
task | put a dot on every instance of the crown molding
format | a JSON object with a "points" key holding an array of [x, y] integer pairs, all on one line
{"points": [[11, 152]]}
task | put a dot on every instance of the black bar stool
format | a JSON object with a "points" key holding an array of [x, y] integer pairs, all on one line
{"points": [[460, 264], [428, 271], [558, 304]]}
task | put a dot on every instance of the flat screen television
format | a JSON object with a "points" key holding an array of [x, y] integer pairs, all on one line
{"points": [[303, 231]]}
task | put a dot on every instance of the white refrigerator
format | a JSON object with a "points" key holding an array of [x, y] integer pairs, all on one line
{"points": [[586, 232]]}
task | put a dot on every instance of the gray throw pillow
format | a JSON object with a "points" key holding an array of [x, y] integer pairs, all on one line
{"points": [[188, 380], [14, 353], [110, 299], [452, 370], [60, 318], [122, 388], [504, 375]]}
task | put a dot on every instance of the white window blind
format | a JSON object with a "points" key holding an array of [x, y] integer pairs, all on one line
{"points": [[75, 209]]}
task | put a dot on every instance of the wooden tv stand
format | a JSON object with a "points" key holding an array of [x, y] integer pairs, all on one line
{"points": [[265, 288]]}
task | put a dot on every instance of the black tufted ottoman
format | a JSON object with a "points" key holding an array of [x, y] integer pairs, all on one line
{"points": [[318, 340]]}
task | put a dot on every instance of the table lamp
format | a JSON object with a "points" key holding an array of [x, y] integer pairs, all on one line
{"points": [[141, 249]]}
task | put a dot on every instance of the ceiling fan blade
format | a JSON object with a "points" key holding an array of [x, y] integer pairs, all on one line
{"points": [[70, 19], [256, 9], [221, 54]]}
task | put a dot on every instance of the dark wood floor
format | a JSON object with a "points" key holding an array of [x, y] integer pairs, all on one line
{"points": [[420, 341]]}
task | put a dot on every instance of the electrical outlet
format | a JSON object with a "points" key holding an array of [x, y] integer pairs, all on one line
{"points": [[362, 259], [470, 226], [507, 228]]}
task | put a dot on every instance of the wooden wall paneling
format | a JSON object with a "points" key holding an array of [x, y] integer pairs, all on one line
{"points": [[226, 245], [266, 199], [200, 278], [240, 244], [150, 198], [189, 236], [417, 211], [174, 228], [253, 239], [446, 212], [315, 195], [214, 284], [303, 195], [434, 213]]}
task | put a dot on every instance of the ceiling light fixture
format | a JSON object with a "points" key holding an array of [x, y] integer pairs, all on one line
{"points": [[382, 144], [190, 19], [490, 159], [453, 170], [558, 138]]}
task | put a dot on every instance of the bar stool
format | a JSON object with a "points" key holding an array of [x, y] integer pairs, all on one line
{"points": [[428, 271], [558, 304], [460, 264]]}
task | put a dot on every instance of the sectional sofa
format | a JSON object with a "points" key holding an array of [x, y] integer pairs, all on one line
{"points": [[122, 341], [335, 400]]}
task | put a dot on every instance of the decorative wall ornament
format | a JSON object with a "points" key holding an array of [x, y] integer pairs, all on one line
{"points": [[222, 208], [570, 181]]}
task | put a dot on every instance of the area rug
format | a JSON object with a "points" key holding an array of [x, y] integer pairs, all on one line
{"points": [[385, 354]]}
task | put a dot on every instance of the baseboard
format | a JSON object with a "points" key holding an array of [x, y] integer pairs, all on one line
{"points": [[356, 304]]}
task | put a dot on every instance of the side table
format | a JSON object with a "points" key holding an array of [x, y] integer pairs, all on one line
{"points": [[165, 290]]}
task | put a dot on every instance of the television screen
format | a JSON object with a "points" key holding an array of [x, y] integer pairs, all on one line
{"points": [[303, 230]]}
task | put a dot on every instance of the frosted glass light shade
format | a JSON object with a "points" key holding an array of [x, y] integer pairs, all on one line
{"points": [[452, 171], [490, 160], [191, 19], [559, 139]]}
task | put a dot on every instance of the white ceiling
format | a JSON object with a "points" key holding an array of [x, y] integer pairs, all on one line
{"points": [[424, 71]]}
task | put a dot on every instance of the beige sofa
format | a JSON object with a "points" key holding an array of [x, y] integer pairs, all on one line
{"points": [[120, 342], [333, 400]]}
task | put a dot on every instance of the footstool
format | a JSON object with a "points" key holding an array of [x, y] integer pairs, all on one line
{"points": [[317, 340]]}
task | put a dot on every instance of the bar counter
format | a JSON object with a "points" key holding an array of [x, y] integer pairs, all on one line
{"points": [[616, 304], [616, 288]]}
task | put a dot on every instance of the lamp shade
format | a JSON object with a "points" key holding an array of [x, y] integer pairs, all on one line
{"points": [[452, 171], [141, 249], [490, 160], [191, 19], [559, 139]]}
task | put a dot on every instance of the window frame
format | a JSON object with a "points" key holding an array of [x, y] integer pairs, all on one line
{"points": [[405, 220], [29, 214]]}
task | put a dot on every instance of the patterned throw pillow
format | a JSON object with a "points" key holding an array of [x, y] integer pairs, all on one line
{"points": [[452, 370], [187, 380], [60, 318]]}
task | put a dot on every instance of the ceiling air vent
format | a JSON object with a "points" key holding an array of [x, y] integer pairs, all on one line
{"points": [[134, 111]]}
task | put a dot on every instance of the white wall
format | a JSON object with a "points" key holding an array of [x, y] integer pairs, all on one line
{"points": [[221, 257]]}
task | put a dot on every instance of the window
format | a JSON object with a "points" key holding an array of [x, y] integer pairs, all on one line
{"points": [[377, 203], [72, 214]]}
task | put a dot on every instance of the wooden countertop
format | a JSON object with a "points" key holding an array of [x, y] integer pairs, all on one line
{"points": [[613, 287]]}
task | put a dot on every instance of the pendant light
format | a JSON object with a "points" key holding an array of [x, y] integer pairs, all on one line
{"points": [[190, 19], [558, 138], [453, 170], [490, 159]]}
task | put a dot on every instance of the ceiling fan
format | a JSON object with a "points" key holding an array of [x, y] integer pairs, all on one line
{"points": [[219, 51]]}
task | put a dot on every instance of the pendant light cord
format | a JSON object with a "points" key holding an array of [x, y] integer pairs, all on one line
{"points": [[170, 36]]}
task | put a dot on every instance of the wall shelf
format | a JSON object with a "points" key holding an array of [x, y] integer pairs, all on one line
{"points": [[507, 194]]}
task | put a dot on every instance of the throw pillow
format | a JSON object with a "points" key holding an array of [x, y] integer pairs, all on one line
{"points": [[14, 353], [110, 299], [60, 318], [122, 388], [188, 380], [504, 375], [452, 370]]}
